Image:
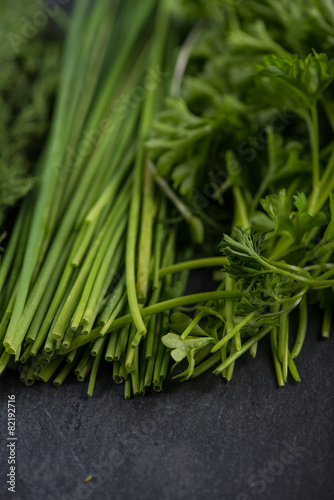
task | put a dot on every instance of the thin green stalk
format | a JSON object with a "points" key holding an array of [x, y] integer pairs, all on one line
{"points": [[64, 372], [72, 356], [83, 361], [68, 278], [207, 364], [111, 348], [98, 346], [135, 372], [302, 328], [110, 240], [245, 347], [107, 272], [86, 370], [4, 359], [46, 300], [293, 369], [130, 351], [93, 373], [111, 320], [164, 365], [122, 342], [159, 233], [253, 350], [12, 249], [156, 57], [164, 323], [151, 322], [314, 138], [127, 388], [151, 359], [114, 298], [326, 324], [158, 308], [194, 264], [230, 367], [46, 373], [235, 329], [278, 366], [25, 356], [145, 237], [115, 372]]}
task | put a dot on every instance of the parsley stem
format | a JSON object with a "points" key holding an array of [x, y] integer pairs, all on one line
{"points": [[245, 347], [302, 328], [314, 133], [235, 329], [293, 368], [253, 350], [194, 264], [326, 324], [206, 365], [278, 366]]}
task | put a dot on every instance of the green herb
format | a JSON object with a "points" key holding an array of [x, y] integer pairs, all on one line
{"points": [[183, 129]]}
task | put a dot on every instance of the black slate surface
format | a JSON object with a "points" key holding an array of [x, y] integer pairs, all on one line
{"points": [[199, 439]]}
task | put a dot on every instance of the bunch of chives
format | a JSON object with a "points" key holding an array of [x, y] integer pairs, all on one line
{"points": [[83, 273]]}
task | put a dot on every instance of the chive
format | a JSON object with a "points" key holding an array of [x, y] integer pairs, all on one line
{"points": [[127, 388], [164, 366], [4, 359], [158, 308], [72, 356], [151, 359], [155, 61], [112, 260], [86, 370], [112, 302], [158, 242], [135, 372], [98, 346], [49, 370], [111, 320], [93, 373], [83, 361], [111, 348], [25, 356], [122, 341], [62, 375], [30, 376], [145, 238]]}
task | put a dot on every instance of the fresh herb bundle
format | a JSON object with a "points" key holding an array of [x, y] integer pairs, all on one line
{"points": [[167, 135]]}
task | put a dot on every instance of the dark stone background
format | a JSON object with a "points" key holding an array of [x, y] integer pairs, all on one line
{"points": [[199, 439]]}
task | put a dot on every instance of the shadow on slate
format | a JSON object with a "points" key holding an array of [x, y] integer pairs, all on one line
{"points": [[200, 439]]}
